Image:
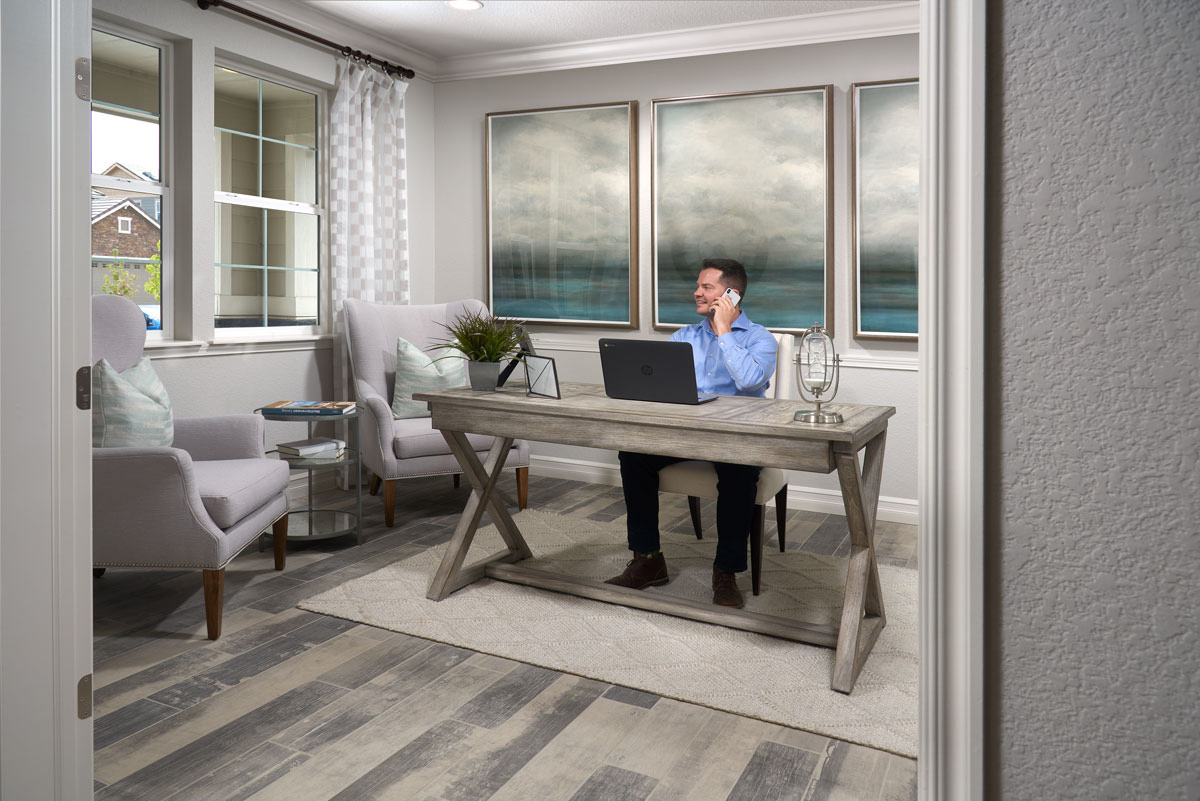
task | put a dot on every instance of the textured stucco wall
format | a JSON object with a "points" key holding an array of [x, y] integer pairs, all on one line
{"points": [[1094, 393]]}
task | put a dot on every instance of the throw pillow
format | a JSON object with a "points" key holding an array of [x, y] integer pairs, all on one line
{"points": [[130, 408], [418, 371]]}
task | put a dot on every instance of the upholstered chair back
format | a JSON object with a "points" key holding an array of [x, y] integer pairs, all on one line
{"points": [[118, 331], [373, 330]]}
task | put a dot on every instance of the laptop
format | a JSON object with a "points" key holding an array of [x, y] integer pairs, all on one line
{"points": [[650, 370]]}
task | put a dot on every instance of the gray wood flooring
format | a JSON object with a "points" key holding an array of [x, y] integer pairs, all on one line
{"points": [[292, 705]]}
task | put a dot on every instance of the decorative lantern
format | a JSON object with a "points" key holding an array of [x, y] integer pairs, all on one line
{"points": [[817, 376]]}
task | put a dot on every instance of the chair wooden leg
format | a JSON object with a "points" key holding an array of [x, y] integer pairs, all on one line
{"points": [[375, 482], [781, 515], [522, 487], [694, 508], [457, 480], [756, 547], [389, 502], [214, 596], [279, 539], [97, 572]]}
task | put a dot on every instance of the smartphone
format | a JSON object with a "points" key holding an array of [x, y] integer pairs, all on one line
{"points": [[733, 295]]}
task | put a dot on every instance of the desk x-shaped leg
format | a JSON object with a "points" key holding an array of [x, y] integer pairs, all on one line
{"points": [[451, 575], [862, 604]]}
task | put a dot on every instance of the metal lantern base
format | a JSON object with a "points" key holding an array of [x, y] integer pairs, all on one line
{"points": [[817, 416]]}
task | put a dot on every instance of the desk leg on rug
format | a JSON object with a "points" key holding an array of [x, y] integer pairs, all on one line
{"points": [[862, 603], [451, 575]]}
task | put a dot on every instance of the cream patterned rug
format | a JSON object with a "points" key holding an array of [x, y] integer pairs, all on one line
{"points": [[749, 674]]}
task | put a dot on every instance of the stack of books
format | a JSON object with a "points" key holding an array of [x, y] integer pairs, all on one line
{"points": [[310, 407], [315, 448]]}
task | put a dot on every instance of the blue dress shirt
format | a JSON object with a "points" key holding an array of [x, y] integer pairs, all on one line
{"points": [[737, 363]]}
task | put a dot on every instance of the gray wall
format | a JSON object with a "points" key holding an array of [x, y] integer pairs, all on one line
{"points": [[1094, 305], [461, 252]]}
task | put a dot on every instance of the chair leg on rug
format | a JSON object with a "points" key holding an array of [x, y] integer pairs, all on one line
{"points": [[781, 515], [522, 487], [694, 509], [756, 547], [214, 596], [389, 502]]}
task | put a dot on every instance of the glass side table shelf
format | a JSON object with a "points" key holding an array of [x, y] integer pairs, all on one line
{"points": [[311, 523]]}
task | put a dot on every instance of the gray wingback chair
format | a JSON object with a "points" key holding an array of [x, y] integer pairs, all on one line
{"points": [[193, 505], [407, 448]]}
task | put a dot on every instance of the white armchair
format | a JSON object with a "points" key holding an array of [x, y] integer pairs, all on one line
{"points": [[192, 505], [395, 449]]}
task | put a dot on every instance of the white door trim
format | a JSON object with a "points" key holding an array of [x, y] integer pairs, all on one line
{"points": [[45, 458], [950, 455]]}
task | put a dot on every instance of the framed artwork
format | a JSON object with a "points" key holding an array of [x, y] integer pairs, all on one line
{"points": [[562, 214], [884, 173], [745, 176]]}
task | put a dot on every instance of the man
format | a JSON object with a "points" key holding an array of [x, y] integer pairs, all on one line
{"points": [[733, 356]]}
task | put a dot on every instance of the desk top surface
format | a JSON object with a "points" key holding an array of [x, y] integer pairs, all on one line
{"points": [[727, 414]]}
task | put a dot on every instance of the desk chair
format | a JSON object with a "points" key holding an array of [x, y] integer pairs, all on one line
{"points": [[699, 480], [395, 449], [194, 504]]}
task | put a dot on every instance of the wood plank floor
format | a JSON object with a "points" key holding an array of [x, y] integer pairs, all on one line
{"points": [[296, 706]]}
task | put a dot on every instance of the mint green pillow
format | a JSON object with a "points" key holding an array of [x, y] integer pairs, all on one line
{"points": [[130, 408], [417, 371]]}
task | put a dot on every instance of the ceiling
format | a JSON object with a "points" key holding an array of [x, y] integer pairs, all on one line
{"points": [[432, 28]]}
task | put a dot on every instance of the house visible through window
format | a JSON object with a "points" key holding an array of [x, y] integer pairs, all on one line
{"points": [[268, 212], [128, 192]]}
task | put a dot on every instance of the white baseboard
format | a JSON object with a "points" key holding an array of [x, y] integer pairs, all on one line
{"points": [[812, 499]]}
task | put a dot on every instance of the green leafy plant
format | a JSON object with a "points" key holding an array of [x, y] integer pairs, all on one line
{"points": [[480, 337], [119, 281], [154, 269]]}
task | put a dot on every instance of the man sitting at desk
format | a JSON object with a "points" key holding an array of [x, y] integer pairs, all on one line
{"points": [[733, 356]]}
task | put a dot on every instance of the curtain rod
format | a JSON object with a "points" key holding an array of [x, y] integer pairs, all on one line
{"points": [[343, 49]]}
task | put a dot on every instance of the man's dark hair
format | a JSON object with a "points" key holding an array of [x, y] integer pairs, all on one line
{"points": [[733, 274]]}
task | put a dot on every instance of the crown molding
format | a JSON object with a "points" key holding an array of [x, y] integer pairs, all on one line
{"points": [[890, 20], [886, 20]]}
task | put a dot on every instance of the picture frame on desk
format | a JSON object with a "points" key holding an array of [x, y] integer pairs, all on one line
{"points": [[885, 215], [745, 176], [561, 189], [541, 376]]}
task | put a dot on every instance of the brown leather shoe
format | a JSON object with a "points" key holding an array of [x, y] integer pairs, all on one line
{"points": [[725, 589], [643, 571]]}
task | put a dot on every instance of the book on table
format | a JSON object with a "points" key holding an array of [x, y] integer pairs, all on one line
{"points": [[325, 447], [310, 407]]}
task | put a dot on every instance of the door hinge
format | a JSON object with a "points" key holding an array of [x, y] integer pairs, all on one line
{"points": [[83, 697], [83, 388], [83, 79]]}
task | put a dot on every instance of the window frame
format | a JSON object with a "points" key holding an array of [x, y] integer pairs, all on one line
{"points": [[320, 209], [163, 189]]}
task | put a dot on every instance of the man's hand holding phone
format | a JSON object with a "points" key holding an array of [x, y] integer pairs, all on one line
{"points": [[725, 311]]}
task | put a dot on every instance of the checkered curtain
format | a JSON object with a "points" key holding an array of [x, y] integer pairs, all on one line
{"points": [[368, 198]]}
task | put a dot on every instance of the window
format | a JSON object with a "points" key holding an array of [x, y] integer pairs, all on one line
{"points": [[128, 190], [268, 213]]}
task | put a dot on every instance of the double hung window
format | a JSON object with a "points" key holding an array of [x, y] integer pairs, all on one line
{"points": [[130, 196], [268, 212]]}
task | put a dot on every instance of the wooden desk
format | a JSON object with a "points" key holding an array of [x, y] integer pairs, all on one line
{"points": [[758, 430]]}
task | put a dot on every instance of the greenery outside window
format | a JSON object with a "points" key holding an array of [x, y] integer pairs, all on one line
{"points": [[267, 203], [129, 195]]}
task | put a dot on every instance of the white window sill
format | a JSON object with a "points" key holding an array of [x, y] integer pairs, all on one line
{"points": [[182, 348]]}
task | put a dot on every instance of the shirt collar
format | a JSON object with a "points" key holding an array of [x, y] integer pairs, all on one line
{"points": [[742, 322]]}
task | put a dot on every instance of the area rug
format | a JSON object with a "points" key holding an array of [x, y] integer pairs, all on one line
{"points": [[748, 674]]}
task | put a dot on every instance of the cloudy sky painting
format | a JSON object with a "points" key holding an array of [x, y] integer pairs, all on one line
{"points": [[743, 177], [559, 214], [888, 152]]}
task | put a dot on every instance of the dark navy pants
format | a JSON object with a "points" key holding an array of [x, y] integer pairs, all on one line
{"points": [[737, 485]]}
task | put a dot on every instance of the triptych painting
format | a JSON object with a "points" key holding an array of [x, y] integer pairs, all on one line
{"points": [[747, 176]]}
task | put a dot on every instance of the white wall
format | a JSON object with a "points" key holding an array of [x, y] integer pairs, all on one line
{"points": [[1093, 602], [460, 216]]}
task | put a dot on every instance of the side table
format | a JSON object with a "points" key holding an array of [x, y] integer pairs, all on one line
{"points": [[312, 523]]}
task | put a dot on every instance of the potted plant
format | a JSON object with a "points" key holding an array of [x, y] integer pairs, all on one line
{"points": [[486, 342]]}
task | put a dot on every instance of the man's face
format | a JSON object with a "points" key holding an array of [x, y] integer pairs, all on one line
{"points": [[709, 287]]}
